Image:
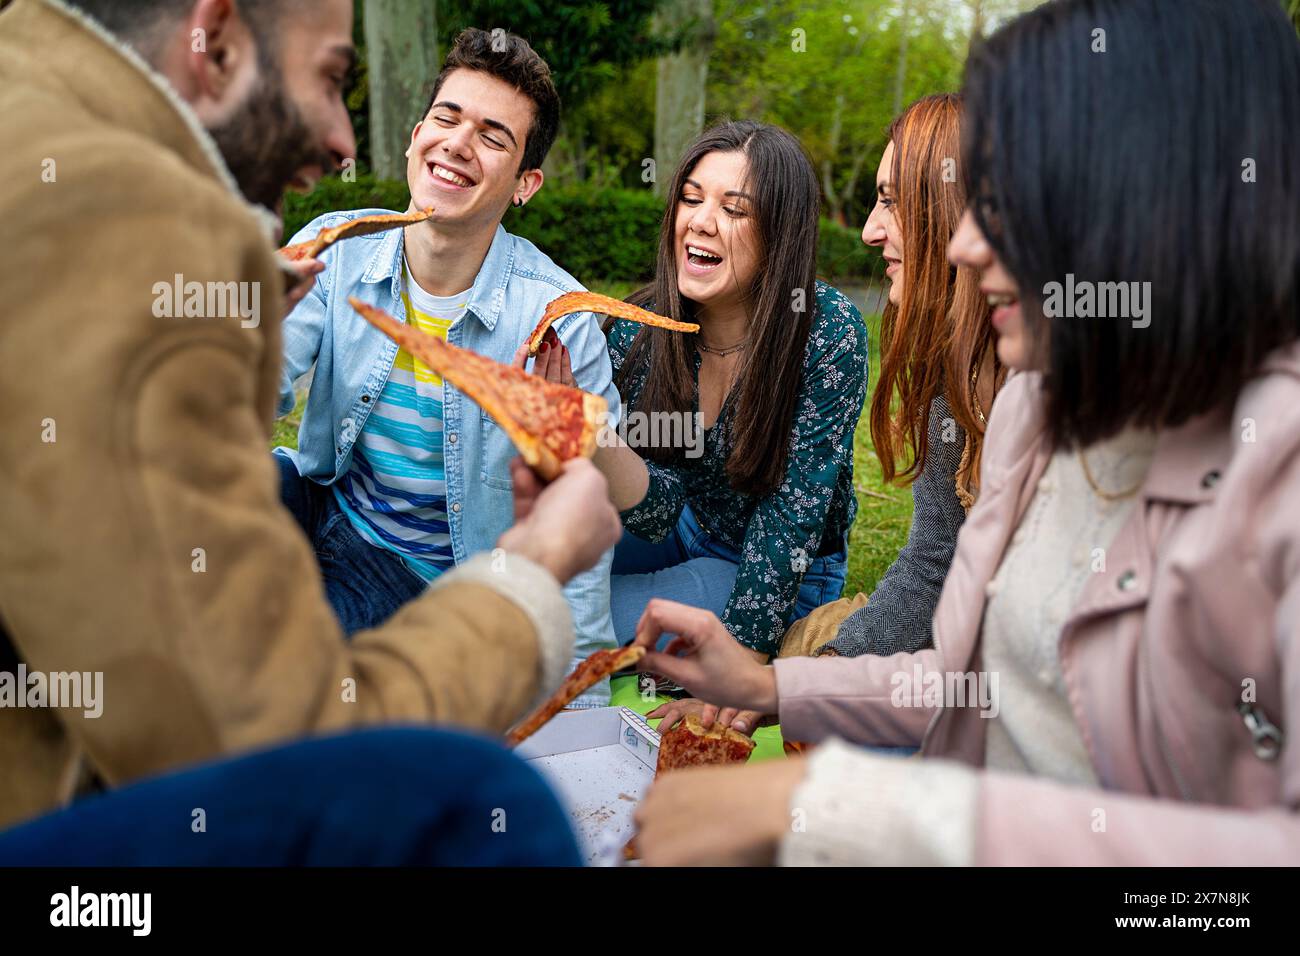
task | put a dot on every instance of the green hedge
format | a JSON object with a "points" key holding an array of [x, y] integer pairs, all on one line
{"points": [[597, 235], [593, 233]]}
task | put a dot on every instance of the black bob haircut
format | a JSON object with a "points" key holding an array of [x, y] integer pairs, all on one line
{"points": [[1173, 157]]}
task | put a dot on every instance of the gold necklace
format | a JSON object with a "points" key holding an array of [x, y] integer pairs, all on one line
{"points": [[1106, 495], [975, 395]]}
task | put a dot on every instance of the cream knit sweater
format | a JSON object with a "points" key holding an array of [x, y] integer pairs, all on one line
{"points": [[856, 807]]}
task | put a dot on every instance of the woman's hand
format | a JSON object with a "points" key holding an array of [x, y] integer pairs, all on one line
{"points": [[741, 721], [709, 816], [552, 362], [621, 466], [704, 658]]}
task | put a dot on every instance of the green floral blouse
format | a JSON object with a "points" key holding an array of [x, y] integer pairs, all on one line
{"points": [[808, 516]]}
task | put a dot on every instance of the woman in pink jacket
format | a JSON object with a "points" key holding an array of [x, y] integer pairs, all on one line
{"points": [[1117, 646]]}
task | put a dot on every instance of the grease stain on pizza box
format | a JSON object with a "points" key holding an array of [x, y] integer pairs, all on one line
{"points": [[600, 763]]}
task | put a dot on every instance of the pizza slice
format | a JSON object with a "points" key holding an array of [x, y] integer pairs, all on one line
{"points": [[362, 226], [598, 665], [691, 744], [549, 423], [603, 304]]}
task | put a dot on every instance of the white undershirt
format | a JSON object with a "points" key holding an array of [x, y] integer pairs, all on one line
{"points": [[1061, 540]]}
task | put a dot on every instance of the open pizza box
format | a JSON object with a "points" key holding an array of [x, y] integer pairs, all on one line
{"points": [[600, 763]]}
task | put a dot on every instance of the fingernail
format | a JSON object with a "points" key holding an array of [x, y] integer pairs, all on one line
{"points": [[543, 348]]}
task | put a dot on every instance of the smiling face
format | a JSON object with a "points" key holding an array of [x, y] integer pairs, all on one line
{"points": [[715, 235], [465, 154], [969, 247], [882, 229]]}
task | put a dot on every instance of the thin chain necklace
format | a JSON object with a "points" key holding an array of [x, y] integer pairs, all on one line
{"points": [[1106, 495], [975, 390], [723, 353], [975, 395]]}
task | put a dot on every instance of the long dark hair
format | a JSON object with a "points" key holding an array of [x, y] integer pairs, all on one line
{"points": [[1143, 141], [779, 302]]}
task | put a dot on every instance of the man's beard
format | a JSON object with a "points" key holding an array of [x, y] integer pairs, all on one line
{"points": [[266, 142]]}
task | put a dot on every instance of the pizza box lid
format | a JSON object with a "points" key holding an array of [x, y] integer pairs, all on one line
{"points": [[600, 762]]}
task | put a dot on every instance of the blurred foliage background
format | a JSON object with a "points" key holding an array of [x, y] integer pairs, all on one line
{"points": [[640, 78]]}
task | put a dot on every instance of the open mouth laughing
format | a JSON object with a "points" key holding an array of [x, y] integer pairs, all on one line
{"points": [[701, 260]]}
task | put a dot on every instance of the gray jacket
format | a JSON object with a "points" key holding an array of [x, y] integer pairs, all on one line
{"points": [[898, 616]]}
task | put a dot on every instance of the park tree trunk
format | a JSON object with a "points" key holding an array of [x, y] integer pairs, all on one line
{"points": [[837, 200], [402, 50], [900, 81], [977, 21], [679, 86]]}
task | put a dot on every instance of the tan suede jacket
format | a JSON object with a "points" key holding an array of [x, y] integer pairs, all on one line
{"points": [[141, 532]]}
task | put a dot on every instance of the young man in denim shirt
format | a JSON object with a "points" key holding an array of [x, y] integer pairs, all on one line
{"points": [[398, 476]]}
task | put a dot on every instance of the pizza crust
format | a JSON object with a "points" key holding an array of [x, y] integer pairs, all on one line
{"points": [[595, 302], [361, 226], [598, 665]]}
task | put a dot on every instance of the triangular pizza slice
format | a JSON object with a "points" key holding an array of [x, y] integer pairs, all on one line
{"points": [[604, 305], [549, 423]]}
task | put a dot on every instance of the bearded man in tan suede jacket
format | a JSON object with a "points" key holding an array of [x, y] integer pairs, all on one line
{"points": [[144, 536]]}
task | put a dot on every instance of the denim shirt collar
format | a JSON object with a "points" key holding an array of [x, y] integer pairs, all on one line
{"points": [[488, 294]]}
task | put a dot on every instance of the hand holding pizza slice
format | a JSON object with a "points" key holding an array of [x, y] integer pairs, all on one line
{"points": [[604, 305], [549, 423], [691, 744]]}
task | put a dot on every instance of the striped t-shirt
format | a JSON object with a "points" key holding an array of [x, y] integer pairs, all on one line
{"points": [[395, 490]]}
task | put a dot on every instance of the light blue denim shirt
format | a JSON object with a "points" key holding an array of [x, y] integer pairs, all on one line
{"points": [[353, 360]]}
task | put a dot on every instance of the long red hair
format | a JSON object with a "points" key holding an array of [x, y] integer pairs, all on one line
{"points": [[934, 341]]}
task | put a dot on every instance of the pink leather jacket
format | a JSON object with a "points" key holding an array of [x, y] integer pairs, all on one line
{"points": [[1181, 659]]}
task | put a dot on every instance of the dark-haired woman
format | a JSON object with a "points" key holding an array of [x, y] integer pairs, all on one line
{"points": [[1116, 671], [938, 377], [747, 512]]}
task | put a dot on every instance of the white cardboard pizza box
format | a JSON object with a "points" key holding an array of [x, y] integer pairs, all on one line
{"points": [[600, 762]]}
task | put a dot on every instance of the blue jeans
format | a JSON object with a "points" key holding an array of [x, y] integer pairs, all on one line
{"points": [[692, 567], [364, 584], [384, 797]]}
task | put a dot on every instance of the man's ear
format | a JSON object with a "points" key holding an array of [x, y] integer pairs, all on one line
{"points": [[414, 133], [529, 183], [219, 43]]}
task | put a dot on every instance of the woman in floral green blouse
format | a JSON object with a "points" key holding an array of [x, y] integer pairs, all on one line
{"points": [[736, 479]]}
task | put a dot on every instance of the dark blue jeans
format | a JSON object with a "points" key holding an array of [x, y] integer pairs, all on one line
{"points": [[692, 567], [365, 585], [385, 797]]}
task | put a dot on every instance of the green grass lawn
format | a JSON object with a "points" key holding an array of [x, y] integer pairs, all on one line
{"points": [[884, 513]]}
